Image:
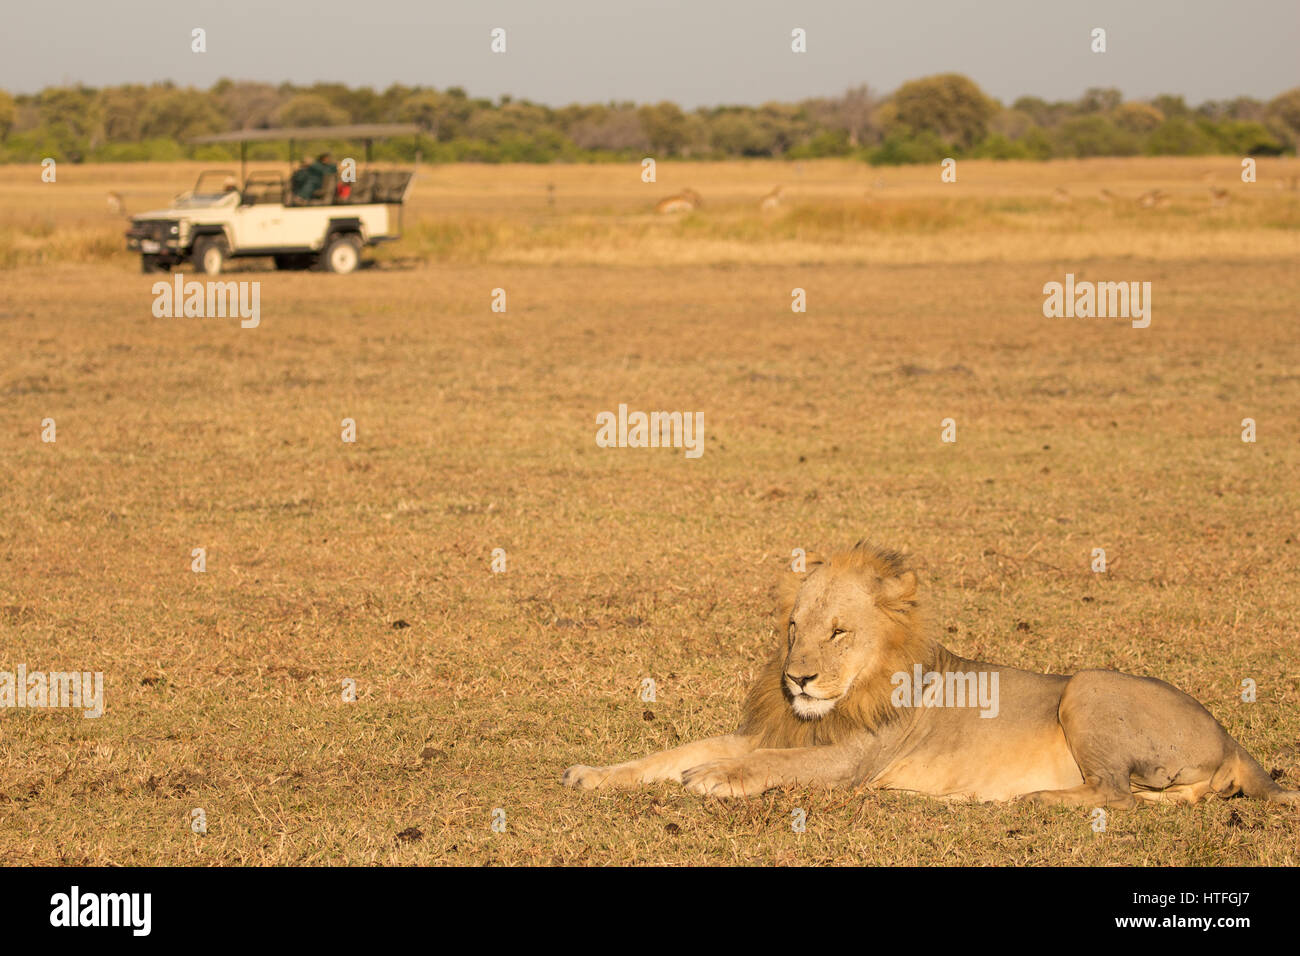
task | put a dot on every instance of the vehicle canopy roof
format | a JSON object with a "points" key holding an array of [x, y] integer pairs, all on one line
{"points": [[365, 131]]}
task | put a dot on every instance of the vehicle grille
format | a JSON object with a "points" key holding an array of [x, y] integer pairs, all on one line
{"points": [[159, 230]]}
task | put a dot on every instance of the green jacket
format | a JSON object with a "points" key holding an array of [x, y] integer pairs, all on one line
{"points": [[308, 181]]}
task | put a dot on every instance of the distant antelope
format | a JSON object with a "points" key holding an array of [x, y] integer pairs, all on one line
{"points": [[772, 200], [116, 206], [1107, 196], [1060, 195], [1218, 197], [1153, 199], [688, 200]]}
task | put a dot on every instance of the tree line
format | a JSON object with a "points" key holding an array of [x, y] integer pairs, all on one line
{"points": [[923, 121]]}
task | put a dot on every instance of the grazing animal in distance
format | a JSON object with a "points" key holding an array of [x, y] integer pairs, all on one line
{"points": [[688, 200], [858, 692], [1060, 195], [1107, 196], [1153, 199], [772, 200], [1218, 197], [116, 205]]}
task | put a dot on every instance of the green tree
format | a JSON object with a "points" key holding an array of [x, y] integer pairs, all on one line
{"points": [[121, 108], [1179, 136], [784, 125], [1170, 105], [427, 109], [1094, 135], [904, 145], [70, 118], [1099, 99], [357, 104], [1139, 118], [1000, 146], [1037, 143], [948, 105], [1245, 138], [853, 113], [1286, 107], [179, 115], [736, 132], [1247, 108], [248, 105], [665, 127], [615, 130], [8, 113], [829, 142], [310, 109], [1012, 123]]}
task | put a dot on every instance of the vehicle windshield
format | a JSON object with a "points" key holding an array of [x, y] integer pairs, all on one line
{"points": [[212, 187]]}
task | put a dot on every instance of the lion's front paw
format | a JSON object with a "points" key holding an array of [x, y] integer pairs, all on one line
{"points": [[725, 778], [582, 777]]}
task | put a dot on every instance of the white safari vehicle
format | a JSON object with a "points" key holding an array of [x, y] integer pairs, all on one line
{"points": [[219, 220]]}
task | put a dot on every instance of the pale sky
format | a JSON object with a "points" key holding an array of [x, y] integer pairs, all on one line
{"points": [[702, 52]]}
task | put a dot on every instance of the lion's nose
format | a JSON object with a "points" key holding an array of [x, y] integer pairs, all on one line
{"points": [[801, 681]]}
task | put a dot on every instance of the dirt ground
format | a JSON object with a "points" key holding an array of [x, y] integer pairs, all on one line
{"points": [[329, 561]]}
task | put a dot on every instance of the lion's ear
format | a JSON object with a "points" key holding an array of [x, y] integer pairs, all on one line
{"points": [[898, 594]]}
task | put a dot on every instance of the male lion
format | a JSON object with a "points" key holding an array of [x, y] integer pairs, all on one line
{"points": [[836, 708]]}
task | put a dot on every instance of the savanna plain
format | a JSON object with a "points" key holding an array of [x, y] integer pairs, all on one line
{"points": [[372, 561]]}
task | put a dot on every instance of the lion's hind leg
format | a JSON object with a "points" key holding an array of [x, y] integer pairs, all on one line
{"points": [[1093, 792], [1139, 737], [666, 765], [1242, 773]]}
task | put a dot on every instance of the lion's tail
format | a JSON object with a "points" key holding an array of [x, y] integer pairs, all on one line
{"points": [[1245, 773]]}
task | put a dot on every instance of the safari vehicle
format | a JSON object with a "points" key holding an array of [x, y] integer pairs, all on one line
{"points": [[219, 219]]}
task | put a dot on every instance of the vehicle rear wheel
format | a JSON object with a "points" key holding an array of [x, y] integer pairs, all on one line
{"points": [[210, 254], [342, 254]]}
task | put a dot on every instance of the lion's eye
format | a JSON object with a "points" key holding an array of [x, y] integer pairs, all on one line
{"points": [[837, 632]]}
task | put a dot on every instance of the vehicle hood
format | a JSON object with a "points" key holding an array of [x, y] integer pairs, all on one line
{"points": [[160, 214]]}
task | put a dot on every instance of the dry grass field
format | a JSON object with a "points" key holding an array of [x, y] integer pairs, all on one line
{"points": [[476, 431]]}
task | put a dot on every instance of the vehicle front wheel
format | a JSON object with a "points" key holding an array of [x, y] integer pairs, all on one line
{"points": [[210, 255], [342, 254], [150, 264]]}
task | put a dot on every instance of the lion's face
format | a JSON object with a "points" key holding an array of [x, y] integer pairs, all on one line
{"points": [[836, 634]]}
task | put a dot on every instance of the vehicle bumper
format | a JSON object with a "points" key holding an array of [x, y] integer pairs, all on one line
{"points": [[154, 238]]}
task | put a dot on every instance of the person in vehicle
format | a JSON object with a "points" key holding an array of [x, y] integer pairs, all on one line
{"points": [[317, 180], [300, 182], [329, 176]]}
